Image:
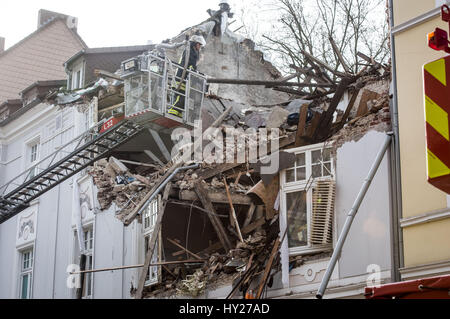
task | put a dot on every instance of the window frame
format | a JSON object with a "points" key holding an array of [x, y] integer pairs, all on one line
{"points": [[26, 272], [304, 185], [36, 141], [151, 215], [89, 253], [77, 80]]}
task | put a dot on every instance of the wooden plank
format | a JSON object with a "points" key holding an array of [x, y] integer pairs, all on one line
{"points": [[216, 197], [139, 266], [268, 83], [253, 226], [226, 167], [323, 64], [215, 221], [191, 205], [327, 117], [214, 247], [301, 125], [289, 77], [310, 72], [268, 268], [169, 271], [103, 73], [347, 111], [313, 126], [250, 214], [208, 173], [232, 211], [152, 242], [339, 55], [185, 249], [236, 181], [139, 164]]}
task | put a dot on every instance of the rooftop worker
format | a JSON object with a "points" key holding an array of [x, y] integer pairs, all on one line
{"points": [[220, 17], [192, 56]]}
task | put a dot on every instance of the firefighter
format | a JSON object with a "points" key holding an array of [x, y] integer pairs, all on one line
{"points": [[196, 43]]}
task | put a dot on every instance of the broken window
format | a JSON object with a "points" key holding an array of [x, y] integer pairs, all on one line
{"points": [[26, 273], [149, 222], [308, 199], [89, 246], [88, 283]]}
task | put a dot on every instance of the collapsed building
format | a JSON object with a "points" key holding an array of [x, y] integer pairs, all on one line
{"points": [[226, 226]]}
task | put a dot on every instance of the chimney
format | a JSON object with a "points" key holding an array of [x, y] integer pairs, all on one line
{"points": [[46, 16], [2, 44]]}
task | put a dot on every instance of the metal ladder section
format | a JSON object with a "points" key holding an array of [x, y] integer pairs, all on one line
{"points": [[59, 166]]}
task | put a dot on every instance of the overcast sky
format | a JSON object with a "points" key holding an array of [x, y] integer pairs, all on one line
{"points": [[109, 22]]}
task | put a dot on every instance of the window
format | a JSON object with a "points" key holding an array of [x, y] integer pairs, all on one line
{"points": [[33, 157], [26, 273], [88, 251], [76, 78], [149, 222], [150, 216], [152, 275], [89, 248], [307, 200]]}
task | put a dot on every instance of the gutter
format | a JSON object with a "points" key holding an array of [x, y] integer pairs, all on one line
{"points": [[396, 179]]}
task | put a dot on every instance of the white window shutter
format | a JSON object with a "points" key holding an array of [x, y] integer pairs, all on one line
{"points": [[324, 193]]}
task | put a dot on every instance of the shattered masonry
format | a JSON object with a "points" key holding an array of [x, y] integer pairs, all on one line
{"points": [[361, 103]]}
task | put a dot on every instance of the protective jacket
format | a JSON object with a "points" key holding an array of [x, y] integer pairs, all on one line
{"points": [[192, 63]]}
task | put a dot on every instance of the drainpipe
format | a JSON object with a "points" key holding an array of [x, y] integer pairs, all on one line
{"points": [[161, 187], [351, 216], [397, 212]]}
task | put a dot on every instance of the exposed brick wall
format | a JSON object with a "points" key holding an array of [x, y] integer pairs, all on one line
{"points": [[378, 119]]}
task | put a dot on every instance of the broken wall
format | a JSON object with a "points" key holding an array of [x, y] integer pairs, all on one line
{"points": [[232, 59]]}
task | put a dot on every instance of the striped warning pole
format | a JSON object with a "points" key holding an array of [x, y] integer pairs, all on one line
{"points": [[437, 110]]}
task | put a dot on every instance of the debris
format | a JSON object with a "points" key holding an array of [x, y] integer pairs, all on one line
{"points": [[217, 223], [232, 211], [185, 249], [255, 120], [193, 285], [277, 118], [239, 198], [117, 166], [152, 241]]}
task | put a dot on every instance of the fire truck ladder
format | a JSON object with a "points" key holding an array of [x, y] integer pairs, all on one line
{"points": [[83, 151]]}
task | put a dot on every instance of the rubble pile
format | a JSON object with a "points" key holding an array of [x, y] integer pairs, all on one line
{"points": [[218, 269], [241, 204], [116, 184]]}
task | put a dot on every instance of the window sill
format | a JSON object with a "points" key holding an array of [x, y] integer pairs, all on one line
{"points": [[309, 250]]}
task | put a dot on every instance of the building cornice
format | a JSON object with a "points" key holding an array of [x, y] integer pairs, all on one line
{"points": [[425, 218], [416, 21], [424, 271]]}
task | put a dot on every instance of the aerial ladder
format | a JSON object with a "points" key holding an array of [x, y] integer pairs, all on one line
{"points": [[150, 91]]}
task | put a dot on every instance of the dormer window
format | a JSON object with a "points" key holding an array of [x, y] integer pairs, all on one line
{"points": [[76, 80]]}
